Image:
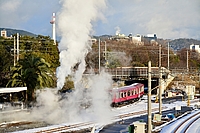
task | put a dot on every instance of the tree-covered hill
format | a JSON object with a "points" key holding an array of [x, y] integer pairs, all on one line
{"points": [[21, 32], [178, 44], [181, 43]]}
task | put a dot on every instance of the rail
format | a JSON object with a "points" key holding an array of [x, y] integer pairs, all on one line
{"points": [[83, 125], [186, 123], [66, 127]]}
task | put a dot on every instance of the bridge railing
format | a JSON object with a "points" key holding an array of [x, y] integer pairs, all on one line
{"points": [[135, 71], [182, 70]]}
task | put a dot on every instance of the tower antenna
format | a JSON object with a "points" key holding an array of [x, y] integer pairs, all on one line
{"points": [[53, 27]]}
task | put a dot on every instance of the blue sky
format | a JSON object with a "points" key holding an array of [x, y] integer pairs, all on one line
{"points": [[169, 19]]}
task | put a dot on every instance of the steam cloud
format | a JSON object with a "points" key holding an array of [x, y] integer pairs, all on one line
{"points": [[74, 22], [75, 25]]}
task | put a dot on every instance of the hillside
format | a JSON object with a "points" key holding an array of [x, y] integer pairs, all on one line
{"points": [[181, 43], [21, 32], [178, 44]]}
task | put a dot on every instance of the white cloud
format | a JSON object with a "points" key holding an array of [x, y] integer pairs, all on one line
{"points": [[167, 18], [8, 10], [10, 6], [27, 15]]}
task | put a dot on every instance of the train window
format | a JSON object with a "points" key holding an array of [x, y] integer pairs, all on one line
{"points": [[129, 93], [124, 94], [132, 92]]}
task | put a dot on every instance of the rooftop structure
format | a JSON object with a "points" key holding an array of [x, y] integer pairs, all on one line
{"points": [[195, 48], [4, 33]]}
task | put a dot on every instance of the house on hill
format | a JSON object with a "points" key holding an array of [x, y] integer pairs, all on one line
{"points": [[195, 48], [4, 34]]}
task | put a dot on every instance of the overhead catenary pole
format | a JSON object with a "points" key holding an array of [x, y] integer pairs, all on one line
{"points": [[105, 48], [99, 57], [187, 62], [105, 55], [14, 52], [149, 97], [17, 46], [168, 56], [160, 77]]}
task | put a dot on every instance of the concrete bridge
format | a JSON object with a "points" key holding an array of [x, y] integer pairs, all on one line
{"points": [[136, 72], [140, 74]]}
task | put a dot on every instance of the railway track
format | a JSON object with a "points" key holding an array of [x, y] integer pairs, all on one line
{"points": [[82, 126], [184, 126], [67, 128], [85, 125], [122, 116]]}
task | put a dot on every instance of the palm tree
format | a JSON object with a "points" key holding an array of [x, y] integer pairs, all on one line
{"points": [[32, 72]]}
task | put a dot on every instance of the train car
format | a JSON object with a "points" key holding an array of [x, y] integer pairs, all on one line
{"points": [[127, 94]]}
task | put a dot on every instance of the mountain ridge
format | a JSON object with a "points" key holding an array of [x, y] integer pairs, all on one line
{"points": [[11, 31], [175, 44]]}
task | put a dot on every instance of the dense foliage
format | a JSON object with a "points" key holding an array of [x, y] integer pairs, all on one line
{"points": [[31, 72], [39, 58]]}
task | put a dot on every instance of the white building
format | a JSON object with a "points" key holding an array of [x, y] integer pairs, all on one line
{"points": [[137, 38], [4, 33], [195, 47]]}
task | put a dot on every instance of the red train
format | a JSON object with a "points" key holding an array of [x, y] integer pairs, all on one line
{"points": [[127, 94]]}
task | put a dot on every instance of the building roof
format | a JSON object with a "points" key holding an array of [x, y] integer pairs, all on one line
{"points": [[11, 90]]}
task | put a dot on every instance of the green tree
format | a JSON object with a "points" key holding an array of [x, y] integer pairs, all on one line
{"points": [[6, 60], [32, 72]]}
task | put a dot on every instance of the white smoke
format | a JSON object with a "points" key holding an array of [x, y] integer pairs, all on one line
{"points": [[101, 99], [93, 103], [75, 26], [74, 23], [117, 30]]}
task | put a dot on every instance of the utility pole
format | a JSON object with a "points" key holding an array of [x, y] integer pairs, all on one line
{"points": [[199, 83], [14, 52], [149, 97], [168, 56], [99, 57], [17, 46], [160, 77], [105, 55], [187, 62]]}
